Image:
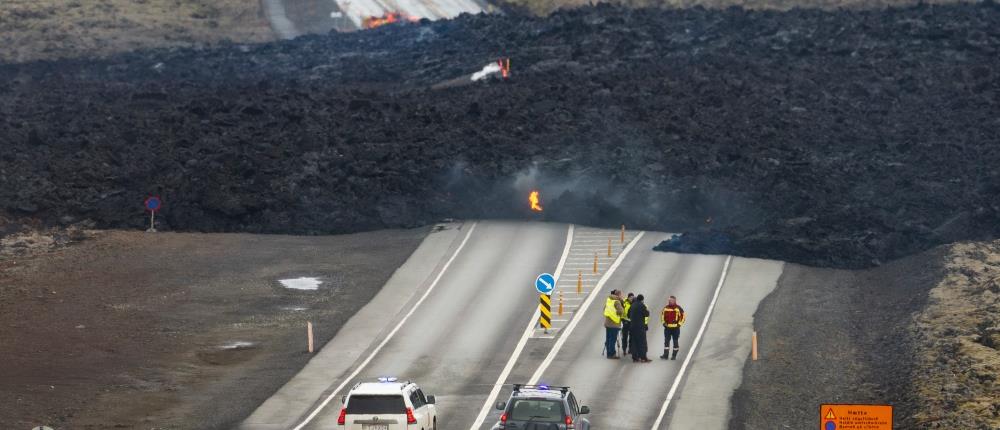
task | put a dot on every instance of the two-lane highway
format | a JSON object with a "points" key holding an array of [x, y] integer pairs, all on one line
{"points": [[466, 329], [624, 394]]}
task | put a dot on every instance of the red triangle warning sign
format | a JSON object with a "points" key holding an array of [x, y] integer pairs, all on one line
{"points": [[830, 415]]}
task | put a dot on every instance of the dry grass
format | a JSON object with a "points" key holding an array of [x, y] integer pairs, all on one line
{"points": [[960, 379], [48, 29], [545, 7]]}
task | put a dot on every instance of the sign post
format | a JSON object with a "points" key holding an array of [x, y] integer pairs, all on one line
{"points": [[545, 305], [152, 204], [544, 284]]}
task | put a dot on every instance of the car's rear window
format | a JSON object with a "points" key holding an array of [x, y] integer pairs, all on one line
{"points": [[373, 405], [537, 410]]}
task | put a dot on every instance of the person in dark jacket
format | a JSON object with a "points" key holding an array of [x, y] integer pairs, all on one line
{"points": [[626, 327], [639, 320]]}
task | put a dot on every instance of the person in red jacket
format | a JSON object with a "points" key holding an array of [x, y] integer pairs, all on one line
{"points": [[672, 317]]}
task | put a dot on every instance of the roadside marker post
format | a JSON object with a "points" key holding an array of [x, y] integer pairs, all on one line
{"points": [[609, 247], [595, 262], [579, 282], [152, 204], [623, 233], [309, 333], [560, 303], [753, 346]]}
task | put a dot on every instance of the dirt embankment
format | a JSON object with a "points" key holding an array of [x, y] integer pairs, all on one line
{"points": [[136, 330], [50, 29], [959, 338], [842, 139], [546, 7], [839, 336], [921, 333]]}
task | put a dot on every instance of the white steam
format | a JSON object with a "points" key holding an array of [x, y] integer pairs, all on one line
{"points": [[489, 69]]}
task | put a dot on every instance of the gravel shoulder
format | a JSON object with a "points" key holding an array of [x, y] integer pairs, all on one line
{"points": [[838, 336], [50, 29], [179, 331]]}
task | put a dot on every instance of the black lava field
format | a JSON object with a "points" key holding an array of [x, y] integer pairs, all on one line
{"points": [[840, 139]]}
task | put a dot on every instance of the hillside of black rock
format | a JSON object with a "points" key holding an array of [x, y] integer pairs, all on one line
{"points": [[840, 139]]}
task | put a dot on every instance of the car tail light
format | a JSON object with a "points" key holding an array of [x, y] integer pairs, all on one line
{"points": [[569, 422], [503, 420], [343, 417], [410, 419]]}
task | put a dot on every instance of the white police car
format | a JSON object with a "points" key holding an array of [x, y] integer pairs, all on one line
{"points": [[387, 405]]}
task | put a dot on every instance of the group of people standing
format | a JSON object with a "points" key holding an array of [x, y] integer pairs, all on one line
{"points": [[630, 317]]}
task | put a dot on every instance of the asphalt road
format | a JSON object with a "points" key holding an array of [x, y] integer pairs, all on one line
{"points": [[467, 327], [624, 394]]}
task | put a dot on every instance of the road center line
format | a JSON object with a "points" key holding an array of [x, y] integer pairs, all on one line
{"points": [[390, 335], [520, 343], [694, 346], [583, 310]]}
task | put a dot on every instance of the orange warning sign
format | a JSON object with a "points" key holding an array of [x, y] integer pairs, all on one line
{"points": [[855, 417]]}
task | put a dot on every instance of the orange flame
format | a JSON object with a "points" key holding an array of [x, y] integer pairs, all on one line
{"points": [[371, 22], [504, 67], [535, 202]]}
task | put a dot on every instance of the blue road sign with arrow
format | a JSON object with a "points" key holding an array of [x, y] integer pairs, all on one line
{"points": [[545, 283]]}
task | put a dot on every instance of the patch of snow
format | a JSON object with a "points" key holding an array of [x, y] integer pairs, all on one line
{"points": [[301, 283]]}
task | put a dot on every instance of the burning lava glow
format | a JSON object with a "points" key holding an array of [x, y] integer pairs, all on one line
{"points": [[533, 199], [371, 22]]}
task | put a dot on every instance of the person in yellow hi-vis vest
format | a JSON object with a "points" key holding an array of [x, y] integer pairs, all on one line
{"points": [[613, 311], [672, 317]]}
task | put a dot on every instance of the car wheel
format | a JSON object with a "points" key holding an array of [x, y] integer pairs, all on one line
{"points": [[435, 423]]}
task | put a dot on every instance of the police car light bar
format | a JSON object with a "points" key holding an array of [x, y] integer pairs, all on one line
{"points": [[542, 387], [388, 379]]}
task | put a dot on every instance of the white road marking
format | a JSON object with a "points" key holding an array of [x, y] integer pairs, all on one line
{"points": [[694, 346], [578, 316], [391, 334], [278, 17], [521, 343]]}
